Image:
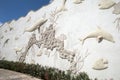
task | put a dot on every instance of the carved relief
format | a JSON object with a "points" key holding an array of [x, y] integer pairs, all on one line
{"points": [[31, 41], [49, 41], [47, 37], [116, 8], [40, 52], [67, 54], [62, 37], [77, 1], [99, 34], [18, 49], [10, 28], [47, 52], [117, 21], [78, 62], [36, 25], [6, 42], [106, 4], [100, 64], [62, 8]]}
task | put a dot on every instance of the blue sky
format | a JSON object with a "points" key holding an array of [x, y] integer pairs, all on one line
{"points": [[14, 9]]}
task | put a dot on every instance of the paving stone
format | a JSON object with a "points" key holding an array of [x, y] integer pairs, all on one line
{"points": [[12, 75]]}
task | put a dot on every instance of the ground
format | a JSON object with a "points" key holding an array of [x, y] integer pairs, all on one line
{"points": [[11, 75]]}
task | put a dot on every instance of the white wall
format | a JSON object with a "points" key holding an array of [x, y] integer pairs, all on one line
{"points": [[78, 21]]}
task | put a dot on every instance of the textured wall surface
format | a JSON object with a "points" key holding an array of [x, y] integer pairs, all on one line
{"points": [[74, 35]]}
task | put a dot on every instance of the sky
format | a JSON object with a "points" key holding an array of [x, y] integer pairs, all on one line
{"points": [[14, 9]]}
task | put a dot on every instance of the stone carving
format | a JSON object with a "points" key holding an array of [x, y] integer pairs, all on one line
{"points": [[39, 53], [31, 41], [47, 37], [54, 16], [117, 21], [62, 37], [106, 4], [116, 8], [49, 41], [78, 64], [62, 8], [100, 34], [100, 64], [18, 49], [77, 1], [36, 25], [6, 41], [67, 54], [47, 52], [10, 28]]}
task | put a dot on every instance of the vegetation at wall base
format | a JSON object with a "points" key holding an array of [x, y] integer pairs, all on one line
{"points": [[45, 73]]}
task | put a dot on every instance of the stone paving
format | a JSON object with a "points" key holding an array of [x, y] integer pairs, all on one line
{"points": [[11, 75]]}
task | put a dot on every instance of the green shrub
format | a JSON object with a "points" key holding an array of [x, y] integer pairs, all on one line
{"points": [[46, 73]]}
